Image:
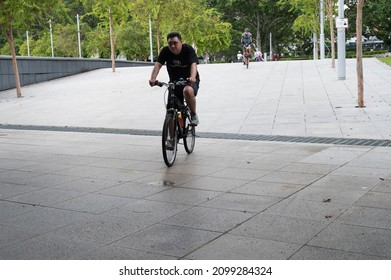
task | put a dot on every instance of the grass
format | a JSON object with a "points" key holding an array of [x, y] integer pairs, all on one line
{"points": [[386, 60]]}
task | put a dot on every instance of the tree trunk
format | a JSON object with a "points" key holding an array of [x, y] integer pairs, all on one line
{"points": [[112, 42], [258, 40], [10, 40], [329, 5], [158, 33], [360, 76]]}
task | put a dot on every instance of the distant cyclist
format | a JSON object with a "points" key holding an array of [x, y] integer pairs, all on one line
{"points": [[247, 43]]}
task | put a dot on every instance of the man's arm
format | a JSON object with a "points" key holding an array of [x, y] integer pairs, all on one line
{"points": [[154, 73], [193, 73]]}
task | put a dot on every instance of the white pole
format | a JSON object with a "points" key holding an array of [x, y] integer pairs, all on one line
{"points": [[28, 44], [150, 36], [78, 34], [51, 37], [271, 48], [341, 43], [322, 50]]}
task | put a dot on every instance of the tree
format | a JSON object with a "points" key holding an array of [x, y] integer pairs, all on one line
{"points": [[308, 19], [330, 13], [360, 77], [208, 31], [106, 10], [14, 15]]}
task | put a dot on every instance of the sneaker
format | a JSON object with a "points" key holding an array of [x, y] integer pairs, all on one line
{"points": [[194, 119], [170, 145]]}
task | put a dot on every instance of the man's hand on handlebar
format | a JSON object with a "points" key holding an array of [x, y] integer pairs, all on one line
{"points": [[153, 82], [191, 80]]}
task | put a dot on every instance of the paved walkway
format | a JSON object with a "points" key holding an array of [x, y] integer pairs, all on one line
{"points": [[71, 195]]}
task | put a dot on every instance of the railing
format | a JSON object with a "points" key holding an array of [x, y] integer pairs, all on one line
{"points": [[39, 69]]}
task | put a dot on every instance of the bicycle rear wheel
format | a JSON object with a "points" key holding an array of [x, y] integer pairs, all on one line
{"points": [[169, 140], [189, 138]]}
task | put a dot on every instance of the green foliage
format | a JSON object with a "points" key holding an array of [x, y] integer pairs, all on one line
{"points": [[214, 26], [386, 60]]}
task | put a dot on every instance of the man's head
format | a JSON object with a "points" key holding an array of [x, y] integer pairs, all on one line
{"points": [[174, 41], [246, 30]]}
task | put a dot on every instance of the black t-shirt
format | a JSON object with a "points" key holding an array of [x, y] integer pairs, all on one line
{"points": [[178, 66]]}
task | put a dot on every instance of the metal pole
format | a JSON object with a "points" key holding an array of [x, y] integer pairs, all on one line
{"points": [[78, 34], [322, 50], [271, 48], [28, 44], [341, 43], [150, 36], [51, 37]]}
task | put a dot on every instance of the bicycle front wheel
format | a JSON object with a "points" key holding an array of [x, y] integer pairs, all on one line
{"points": [[189, 138], [169, 140]]}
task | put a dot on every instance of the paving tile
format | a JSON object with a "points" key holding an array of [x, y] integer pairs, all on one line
{"points": [[10, 209], [278, 228], [291, 178], [46, 180], [184, 196], [87, 185], [48, 247], [357, 239], [93, 203], [214, 184], [375, 199], [10, 235], [133, 189], [44, 219], [309, 168], [45, 197], [269, 189], [240, 173], [305, 209], [262, 164], [102, 229], [367, 216], [347, 182], [17, 176], [168, 240], [384, 185], [212, 219], [10, 190], [232, 247], [242, 202], [335, 195], [147, 212], [167, 179], [317, 253], [113, 252]]}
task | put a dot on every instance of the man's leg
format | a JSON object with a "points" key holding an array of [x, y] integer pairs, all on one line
{"points": [[190, 94]]}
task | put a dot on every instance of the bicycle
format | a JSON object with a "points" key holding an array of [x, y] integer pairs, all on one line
{"points": [[247, 55], [177, 124]]}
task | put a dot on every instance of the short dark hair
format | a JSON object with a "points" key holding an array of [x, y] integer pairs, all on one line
{"points": [[174, 34]]}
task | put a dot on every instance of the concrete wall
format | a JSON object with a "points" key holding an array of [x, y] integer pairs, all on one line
{"points": [[39, 69]]}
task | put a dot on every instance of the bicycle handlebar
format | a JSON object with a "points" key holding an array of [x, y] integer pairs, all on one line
{"points": [[178, 83]]}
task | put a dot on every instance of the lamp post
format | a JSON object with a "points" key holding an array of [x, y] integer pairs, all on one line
{"points": [[150, 36], [51, 37], [322, 50], [28, 44], [341, 42], [78, 34]]}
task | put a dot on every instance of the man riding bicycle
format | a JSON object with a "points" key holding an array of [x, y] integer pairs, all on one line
{"points": [[246, 41], [181, 61]]}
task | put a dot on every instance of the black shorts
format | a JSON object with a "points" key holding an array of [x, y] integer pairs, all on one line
{"points": [[179, 90]]}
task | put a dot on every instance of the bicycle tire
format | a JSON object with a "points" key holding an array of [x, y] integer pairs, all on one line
{"points": [[169, 140], [189, 137]]}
